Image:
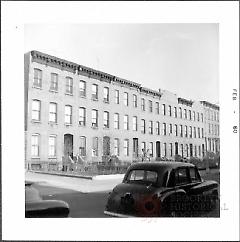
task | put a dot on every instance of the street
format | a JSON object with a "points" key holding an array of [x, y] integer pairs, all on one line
{"points": [[87, 198]]}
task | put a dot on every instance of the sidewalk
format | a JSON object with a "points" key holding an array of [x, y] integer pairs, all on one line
{"points": [[98, 184]]}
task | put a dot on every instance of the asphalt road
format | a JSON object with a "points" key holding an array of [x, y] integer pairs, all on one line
{"points": [[91, 205]]}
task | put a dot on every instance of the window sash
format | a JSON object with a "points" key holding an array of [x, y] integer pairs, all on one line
{"points": [[116, 146], [143, 104], [37, 80], [82, 88], [134, 100], [116, 121], [125, 122], [82, 146], [94, 91], [82, 116], [106, 94], [117, 96], [106, 119], [54, 82], [143, 126], [126, 147], [52, 146], [150, 106], [125, 100], [35, 145], [36, 107], [150, 127], [53, 112], [94, 118], [69, 85], [95, 146], [134, 123], [68, 114]]}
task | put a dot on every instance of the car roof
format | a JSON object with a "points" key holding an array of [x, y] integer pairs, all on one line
{"points": [[160, 164]]}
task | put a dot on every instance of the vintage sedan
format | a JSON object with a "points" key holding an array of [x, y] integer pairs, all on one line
{"points": [[156, 189], [36, 207]]}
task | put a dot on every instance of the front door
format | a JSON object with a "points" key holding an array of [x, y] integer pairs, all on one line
{"points": [[68, 145], [158, 149], [106, 145], [135, 147]]}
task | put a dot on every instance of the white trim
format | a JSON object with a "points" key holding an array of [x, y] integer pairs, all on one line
{"points": [[117, 215]]}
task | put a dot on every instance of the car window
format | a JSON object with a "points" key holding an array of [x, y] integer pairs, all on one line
{"points": [[181, 176], [194, 174], [144, 176]]}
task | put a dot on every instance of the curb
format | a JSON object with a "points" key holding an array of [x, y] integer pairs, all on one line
{"points": [[61, 174]]}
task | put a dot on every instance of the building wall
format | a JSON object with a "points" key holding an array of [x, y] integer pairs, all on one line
{"points": [[44, 128]]}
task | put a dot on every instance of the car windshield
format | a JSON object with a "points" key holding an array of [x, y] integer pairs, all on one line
{"points": [[142, 176]]}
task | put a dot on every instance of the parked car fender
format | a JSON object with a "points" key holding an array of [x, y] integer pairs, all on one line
{"points": [[171, 193]]}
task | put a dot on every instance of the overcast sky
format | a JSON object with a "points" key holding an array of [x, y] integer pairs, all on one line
{"points": [[181, 58]]}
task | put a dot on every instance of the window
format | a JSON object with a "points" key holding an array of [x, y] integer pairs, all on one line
{"points": [[195, 134], [94, 91], [150, 106], [54, 82], [199, 133], [158, 128], [142, 176], [164, 129], [134, 123], [106, 119], [143, 126], [53, 112], [106, 94], [116, 147], [52, 146], [35, 145], [134, 100], [186, 133], [143, 104], [182, 150], [69, 85], [36, 110], [82, 146], [151, 149], [169, 110], [68, 114], [186, 150], [190, 114], [175, 112], [82, 88], [195, 150], [194, 117], [181, 130], [150, 127], [37, 79], [95, 146], [202, 117], [194, 175], [176, 130], [171, 149], [143, 146], [125, 98], [126, 147], [94, 118], [170, 129], [125, 122], [199, 150], [116, 121], [116, 96], [157, 107], [82, 116], [163, 109], [190, 131], [164, 149], [181, 176], [198, 117], [185, 113], [203, 135], [180, 112], [209, 128]]}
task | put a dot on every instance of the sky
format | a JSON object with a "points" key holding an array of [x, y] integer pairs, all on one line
{"points": [[181, 58]]}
